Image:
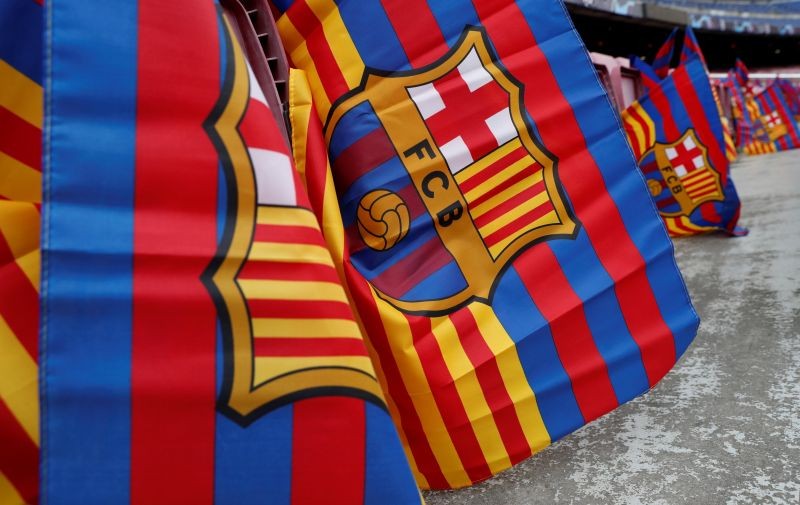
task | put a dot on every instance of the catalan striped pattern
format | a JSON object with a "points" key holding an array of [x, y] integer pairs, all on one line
{"points": [[681, 101], [640, 129], [298, 308], [21, 116], [477, 390], [506, 195]]}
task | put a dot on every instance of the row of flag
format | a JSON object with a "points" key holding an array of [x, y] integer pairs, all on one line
{"points": [[682, 143], [456, 257], [766, 116]]}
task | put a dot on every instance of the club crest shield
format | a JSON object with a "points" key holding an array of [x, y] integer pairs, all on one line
{"points": [[773, 126], [442, 179], [684, 178], [287, 329]]}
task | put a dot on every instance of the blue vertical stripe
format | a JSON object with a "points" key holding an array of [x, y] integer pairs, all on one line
{"points": [[530, 332], [578, 82], [87, 242], [254, 463], [593, 285], [373, 34], [388, 477], [21, 28]]}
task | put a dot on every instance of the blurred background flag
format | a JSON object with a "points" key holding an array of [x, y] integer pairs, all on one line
{"points": [[663, 58], [21, 102], [677, 136], [471, 149], [199, 346]]}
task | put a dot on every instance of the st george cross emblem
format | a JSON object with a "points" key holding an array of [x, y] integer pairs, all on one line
{"points": [[687, 177], [487, 186]]}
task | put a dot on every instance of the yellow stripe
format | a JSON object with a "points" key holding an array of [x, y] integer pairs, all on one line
{"points": [[342, 46], [513, 376], [30, 266], [508, 193], [472, 397], [21, 95], [286, 216], [300, 328], [8, 495], [18, 381], [487, 160], [503, 176], [298, 52], [292, 290], [19, 225], [267, 368], [515, 213], [549, 218], [693, 178], [289, 253], [413, 377], [638, 132], [19, 181]]}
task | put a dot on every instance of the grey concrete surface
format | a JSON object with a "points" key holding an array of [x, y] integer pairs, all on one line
{"points": [[724, 426]]}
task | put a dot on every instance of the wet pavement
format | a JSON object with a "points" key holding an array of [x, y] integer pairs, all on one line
{"points": [[724, 426]]}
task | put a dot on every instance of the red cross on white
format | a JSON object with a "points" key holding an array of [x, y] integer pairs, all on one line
{"points": [[466, 111], [685, 157], [773, 119]]}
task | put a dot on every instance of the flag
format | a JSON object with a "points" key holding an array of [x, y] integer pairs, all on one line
{"points": [[510, 291], [198, 346], [775, 119], [791, 94], [676, 135], [663, 57], [691, 48], [21, 103]]}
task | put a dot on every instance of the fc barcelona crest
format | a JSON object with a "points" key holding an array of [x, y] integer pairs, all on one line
{"points": [[685, 178], [288, 331], [447, 183]]}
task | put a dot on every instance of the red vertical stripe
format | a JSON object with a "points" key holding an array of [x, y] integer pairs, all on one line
{"points": [[409, 419], [316, 157], [19, 301], [786, 117], [688, 94], [491, 381], [316, 170], [583, 181], [174, 320], [447, 399], [417, 30], [19, 456], [328, 451], [558, 303], [20, 139], [306, 22]]}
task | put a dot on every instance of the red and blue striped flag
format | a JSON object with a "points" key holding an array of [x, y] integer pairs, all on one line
{"points": [[21, 78], [663, 58], [677, 136], [197, 344], [502, 251]]}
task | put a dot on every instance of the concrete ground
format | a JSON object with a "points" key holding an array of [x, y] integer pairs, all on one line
{"points": [[724, 426]]}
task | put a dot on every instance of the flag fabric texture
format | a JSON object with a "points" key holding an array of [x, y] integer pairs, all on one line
{"points": [[507, 264], [197, 344], [663, 58], [652, 75], [775, 118], [676, 135], [791, 94], [764, 119], [21, 117]]}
